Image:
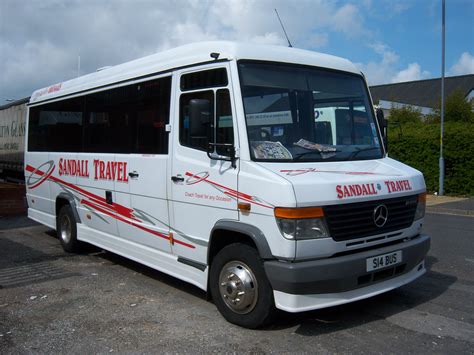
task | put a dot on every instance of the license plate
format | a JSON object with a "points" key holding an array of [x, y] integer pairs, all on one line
{"points": [[381, 261]]}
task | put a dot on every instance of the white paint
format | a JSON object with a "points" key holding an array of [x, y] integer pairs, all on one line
{"points": [[188, 55], [157, 221]]}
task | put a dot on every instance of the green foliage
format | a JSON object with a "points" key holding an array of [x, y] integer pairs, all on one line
{"points": [[405, 114], [456, 109], [418, 146]]}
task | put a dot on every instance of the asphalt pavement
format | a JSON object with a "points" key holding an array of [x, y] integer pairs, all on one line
{"points": [[98, 302]]}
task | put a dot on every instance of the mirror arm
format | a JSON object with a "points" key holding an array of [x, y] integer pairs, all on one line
{"points": [[214, 156]]}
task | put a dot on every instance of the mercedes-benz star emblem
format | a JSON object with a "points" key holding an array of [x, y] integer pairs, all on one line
{"points": [[380, 215]]}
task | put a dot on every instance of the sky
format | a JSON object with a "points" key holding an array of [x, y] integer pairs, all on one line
{"points": [[389, 40]]}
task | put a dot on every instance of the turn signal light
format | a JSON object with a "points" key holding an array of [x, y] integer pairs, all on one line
{"points": [[422, 197], [420, 206], [302, 212]]}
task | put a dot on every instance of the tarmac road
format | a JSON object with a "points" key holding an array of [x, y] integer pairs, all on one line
{"points": [[53, 302]]}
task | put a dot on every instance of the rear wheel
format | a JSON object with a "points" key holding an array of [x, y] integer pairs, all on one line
{"points": [[240, 288], [66, 229]]}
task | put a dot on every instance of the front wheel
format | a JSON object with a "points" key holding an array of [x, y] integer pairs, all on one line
{"points": [[66, 229], [240, 288]]}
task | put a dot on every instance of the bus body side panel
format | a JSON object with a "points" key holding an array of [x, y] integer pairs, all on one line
{"points": [[151, 257], [92, 190], [144, 193], [63, 178], [40, 204]]}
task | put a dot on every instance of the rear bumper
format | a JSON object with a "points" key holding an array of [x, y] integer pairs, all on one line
{"points": [[348, 273]]}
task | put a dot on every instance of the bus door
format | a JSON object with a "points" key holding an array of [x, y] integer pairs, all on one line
{"points": [[202, 190], [142, 194]]}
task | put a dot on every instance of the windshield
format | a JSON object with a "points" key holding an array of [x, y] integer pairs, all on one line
{"points": [[297, 113]]}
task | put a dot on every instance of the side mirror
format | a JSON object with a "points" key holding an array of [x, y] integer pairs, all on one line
{"points": [[383, 124], [200, 118]]}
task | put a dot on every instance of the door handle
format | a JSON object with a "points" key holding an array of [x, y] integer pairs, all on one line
{"points": [[133, 174], [108, 197], [177, 178]]}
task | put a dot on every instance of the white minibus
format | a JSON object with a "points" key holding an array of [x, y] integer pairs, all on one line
{"points": [[257, 173]]}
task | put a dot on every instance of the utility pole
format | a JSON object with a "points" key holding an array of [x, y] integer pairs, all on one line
{"points": [[441, 158]]}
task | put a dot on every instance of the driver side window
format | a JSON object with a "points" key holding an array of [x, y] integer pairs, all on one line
{"points": [[215, 125], [194, 134]]}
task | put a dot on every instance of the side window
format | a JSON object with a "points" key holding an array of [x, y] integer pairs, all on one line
{"points": [[109, 122], [153, 114], [204, 79], [224, 124], [211, 128], [129, 119], [195, 134], [56, 127]]}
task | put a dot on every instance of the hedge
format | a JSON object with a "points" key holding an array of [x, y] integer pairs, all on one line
{"points": [[417, 145]]}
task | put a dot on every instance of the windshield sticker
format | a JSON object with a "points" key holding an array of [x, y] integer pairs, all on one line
{"points": [[269, 118], [270, 150], [277, 131], [374, 131]]}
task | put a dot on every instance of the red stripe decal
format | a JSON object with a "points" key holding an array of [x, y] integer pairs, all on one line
{"points": [[227, 190], [117, 211]]}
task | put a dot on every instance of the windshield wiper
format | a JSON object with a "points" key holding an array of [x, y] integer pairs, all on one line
{"points": [[323, 154], [359, 150]]}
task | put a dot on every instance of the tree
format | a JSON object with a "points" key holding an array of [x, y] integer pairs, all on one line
{"points": [[404, 114], [456, 109]]}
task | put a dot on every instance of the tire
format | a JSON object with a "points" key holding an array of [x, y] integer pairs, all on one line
{"points": [[66, 229], [239, 268]]}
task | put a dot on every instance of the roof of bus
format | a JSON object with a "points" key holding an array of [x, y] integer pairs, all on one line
{"points": [[188, 55]]}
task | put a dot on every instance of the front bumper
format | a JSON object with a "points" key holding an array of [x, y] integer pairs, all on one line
{"points": [[348, 273], [301, 303]]}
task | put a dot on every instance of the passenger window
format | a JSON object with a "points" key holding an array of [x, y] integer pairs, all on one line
{"points": [[128, 119], [204, 79], [220, 124], [109, 127], [153, 111], [56, 127]]}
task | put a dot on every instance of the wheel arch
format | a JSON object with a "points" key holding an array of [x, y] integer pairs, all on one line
{"points": [[67, 199], [226, 232]]}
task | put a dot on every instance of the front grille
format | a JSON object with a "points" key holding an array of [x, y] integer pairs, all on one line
{"points": [[356, 220]]}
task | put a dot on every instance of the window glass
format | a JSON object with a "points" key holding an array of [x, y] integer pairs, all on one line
{"points": [[129, 119], [197, 134], [56, 127], [204, 79], [109, 125], [153, 111], [299, 113], [224, 125]]}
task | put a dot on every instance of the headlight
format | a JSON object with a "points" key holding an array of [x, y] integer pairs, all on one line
{"points": [[420, 206], [301, 223]]}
